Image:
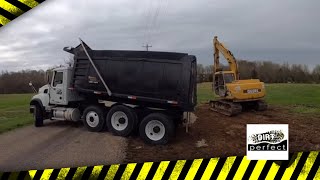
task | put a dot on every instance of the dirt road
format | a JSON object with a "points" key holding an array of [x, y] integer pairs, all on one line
{"points": [[58, 144]]}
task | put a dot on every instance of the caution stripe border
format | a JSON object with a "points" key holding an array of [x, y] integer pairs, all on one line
{"points": [[305, 165], [11, 9]]}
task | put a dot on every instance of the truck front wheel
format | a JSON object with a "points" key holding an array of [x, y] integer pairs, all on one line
{"points": [[38, 116], [156, 129], [94, 118], [121, 120]]}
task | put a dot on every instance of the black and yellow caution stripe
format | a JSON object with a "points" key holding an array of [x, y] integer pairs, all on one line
{"points": [[11, 9], [305, 166]]}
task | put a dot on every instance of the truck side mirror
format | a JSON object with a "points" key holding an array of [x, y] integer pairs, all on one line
{"points": [[31, 85]]}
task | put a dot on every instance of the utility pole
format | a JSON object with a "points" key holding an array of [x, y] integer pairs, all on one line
{"points": [[147, 46]]}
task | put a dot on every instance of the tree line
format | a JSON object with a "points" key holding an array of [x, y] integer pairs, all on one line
{"points": [[18, 82], [267, 72]]}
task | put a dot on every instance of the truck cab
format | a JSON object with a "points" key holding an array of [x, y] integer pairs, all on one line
{"points": [[60, 92], [58, 87], [57, 91], [53, 96]]}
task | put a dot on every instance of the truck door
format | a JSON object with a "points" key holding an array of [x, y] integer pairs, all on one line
{"points": [[57, 94]]}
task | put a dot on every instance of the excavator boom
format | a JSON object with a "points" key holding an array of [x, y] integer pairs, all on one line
{"points": [[220, 48]]}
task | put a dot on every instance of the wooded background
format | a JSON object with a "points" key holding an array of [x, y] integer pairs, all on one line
{"points": [[266, 71], [18, 82]]}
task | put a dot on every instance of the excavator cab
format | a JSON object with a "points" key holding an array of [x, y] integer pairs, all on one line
{"points": [[220, 80]]}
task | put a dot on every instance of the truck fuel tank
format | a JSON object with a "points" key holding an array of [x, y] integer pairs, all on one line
{"points": [[70, 114]]}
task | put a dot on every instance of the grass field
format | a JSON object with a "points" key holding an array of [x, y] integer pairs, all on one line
{"points": [[300, 98], [14, 111]]}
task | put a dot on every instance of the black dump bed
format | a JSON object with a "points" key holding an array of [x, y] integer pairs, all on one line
{"points": [[153, 79]]}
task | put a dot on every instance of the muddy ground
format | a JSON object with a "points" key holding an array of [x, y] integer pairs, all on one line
{"points": [[215, 135]]}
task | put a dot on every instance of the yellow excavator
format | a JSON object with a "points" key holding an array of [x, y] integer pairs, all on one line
{"points": [[234, 94]]}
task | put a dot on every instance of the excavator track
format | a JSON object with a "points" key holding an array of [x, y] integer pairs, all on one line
{"points": [[261, 105], [227, 108]]}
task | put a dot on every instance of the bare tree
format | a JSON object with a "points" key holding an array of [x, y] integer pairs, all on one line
{"points": [[70, 60]]}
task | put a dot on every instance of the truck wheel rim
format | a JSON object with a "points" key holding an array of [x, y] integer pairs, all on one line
{"points": [[119, 120], [92, 119], [155, 130]]}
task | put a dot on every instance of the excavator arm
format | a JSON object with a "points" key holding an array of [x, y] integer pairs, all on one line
{"points": [[219, 47]]}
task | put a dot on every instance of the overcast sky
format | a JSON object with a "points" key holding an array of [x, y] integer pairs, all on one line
{"points": [[280, 31]]}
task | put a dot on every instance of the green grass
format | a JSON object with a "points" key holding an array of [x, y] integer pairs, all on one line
{"points": [[204, 92], [300, 98], [14, 111], [294, 94]]}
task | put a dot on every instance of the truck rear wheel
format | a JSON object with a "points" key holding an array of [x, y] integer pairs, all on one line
{"points": [[156, 129], [121, 120], [38, 117], [94, 118]]}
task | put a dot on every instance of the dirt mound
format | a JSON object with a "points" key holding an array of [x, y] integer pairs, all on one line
{"points": [[215, 135]]}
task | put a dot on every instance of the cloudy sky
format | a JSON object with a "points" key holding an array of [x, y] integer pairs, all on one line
{"points": [[280, 31]]}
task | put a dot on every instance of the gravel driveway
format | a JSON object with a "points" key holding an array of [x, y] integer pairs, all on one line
{"points": [[58, 144]]}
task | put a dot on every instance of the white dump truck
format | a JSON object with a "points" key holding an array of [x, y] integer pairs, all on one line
{"points": [[122, 91]]}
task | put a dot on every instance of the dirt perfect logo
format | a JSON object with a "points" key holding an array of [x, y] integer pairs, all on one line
{"points": [[267, 141]]}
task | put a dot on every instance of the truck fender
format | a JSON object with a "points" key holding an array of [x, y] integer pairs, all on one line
{"points": [[36, 102]]}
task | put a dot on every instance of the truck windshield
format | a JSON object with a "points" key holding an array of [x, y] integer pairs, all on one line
{"points": [[228, 77]]}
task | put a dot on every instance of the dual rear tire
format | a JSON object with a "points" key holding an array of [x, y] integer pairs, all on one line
{"points": [[155, 128], [94, 118], [121, 120]]}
